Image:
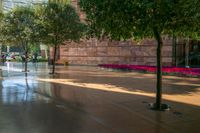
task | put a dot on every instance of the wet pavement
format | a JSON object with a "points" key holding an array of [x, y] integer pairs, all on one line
{"points": [[80, 99]]}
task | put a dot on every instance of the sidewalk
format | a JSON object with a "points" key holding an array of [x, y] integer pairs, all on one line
{"points": [[80, 99]]}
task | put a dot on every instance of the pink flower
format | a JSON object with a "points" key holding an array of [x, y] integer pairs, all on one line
{"points": [[166, 69]]}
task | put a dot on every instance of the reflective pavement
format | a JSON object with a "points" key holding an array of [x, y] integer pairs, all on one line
{"points": [[85, 99]]}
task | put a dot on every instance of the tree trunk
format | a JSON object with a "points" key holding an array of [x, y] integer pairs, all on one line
{"points": [[54, 58], [26, 61], [25, 56], [187, 52], [174, 51], [159, 70]]}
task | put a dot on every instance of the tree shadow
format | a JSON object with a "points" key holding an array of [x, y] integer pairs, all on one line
{"points": [[122, 111], [135, 81]]}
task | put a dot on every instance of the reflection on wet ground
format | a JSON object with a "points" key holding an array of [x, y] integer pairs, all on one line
{"points": [[80, 99]]}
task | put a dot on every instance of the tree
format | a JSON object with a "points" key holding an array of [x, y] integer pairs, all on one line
{"points": [[1, 18], [189, 16], [60, 23], [126, 19], [19, 28]]}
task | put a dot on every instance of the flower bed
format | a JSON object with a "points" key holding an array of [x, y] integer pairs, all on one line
{"points": [[166, 70]]}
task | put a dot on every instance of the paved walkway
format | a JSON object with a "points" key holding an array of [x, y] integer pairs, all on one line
{"points": [[94, 100]]}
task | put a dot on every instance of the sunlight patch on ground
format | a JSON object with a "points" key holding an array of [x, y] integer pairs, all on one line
{"points": [[186, 84], [192, 98], [103, 87]]}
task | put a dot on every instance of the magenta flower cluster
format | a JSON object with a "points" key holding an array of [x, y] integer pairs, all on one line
{"points": [[165, 69]]}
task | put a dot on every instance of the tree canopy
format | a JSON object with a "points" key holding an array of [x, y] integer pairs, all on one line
{"points": [[19, 27], [60, 1], [127, 19], [60, 23], [188, 19]]}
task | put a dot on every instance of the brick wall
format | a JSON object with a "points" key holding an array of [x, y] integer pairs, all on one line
{"points": [[92, 52]]}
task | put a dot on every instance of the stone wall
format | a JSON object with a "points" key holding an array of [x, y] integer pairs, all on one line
{"points": [[93, 52]]}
